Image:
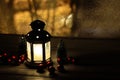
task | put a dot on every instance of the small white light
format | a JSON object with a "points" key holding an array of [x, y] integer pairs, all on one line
{"points": [[27, 34], [37, 37], [38, 29], [22, 37], [47, 35]]}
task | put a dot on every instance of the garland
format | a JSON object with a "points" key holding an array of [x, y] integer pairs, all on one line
{"points": [[11, 59]]}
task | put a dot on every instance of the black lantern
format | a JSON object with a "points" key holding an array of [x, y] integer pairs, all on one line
{"points": [[38, 45]]}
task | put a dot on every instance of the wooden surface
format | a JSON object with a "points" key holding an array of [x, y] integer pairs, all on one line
{"points": [[74, 73], [97, 59]]}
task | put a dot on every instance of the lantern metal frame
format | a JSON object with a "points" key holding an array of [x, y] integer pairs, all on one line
{"points": [[40, 37]]}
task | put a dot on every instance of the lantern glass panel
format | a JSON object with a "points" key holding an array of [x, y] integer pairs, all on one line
{"points": [[38, 52], [47, 50], [29, 51]]}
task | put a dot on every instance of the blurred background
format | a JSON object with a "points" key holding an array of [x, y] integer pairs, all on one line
{"points": [[67, 18]]}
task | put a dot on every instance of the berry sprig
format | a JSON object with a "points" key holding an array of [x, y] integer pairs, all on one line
{"points": [[11, 59]]}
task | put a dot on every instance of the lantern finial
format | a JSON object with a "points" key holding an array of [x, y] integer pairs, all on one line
{"points": [[37, 24]]}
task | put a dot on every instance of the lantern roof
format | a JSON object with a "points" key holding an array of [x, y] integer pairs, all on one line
{"points": [[38, 35]]}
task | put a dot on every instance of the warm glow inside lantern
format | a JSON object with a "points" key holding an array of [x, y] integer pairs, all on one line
{"points": [[38, 45]]}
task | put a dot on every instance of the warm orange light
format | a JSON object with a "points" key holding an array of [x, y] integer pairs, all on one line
{"points": [[38, 51]]}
